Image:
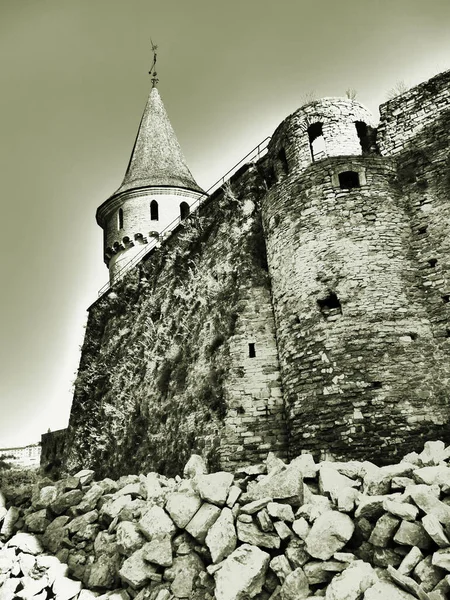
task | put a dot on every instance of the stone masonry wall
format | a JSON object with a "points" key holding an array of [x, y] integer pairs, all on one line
{"points": [[362, 374], [403, 119], [415, 127], [165, 367]]}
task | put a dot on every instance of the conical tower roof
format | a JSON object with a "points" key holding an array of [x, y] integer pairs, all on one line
{"points": [[157, 159]]}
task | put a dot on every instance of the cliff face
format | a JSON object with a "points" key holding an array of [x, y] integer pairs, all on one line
{"points": [[335, 339], [181, 356]]}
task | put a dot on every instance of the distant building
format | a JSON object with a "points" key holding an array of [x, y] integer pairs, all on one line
{"points": [[24, 456]]}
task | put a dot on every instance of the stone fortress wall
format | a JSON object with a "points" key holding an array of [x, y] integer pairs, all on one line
{"points": [[180, 356], [360, 365], [302, 308]]}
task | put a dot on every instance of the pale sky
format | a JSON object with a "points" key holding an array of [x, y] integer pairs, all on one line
{"points": [[73, 85]]}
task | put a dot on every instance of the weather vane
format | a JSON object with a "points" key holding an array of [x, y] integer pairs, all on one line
{"points": [[152, 71]]}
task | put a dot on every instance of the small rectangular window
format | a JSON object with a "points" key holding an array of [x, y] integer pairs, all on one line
{"points": [[348, 180], [251, 351]]}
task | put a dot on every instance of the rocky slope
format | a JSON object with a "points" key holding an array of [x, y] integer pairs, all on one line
{"points": [[272, 531]]}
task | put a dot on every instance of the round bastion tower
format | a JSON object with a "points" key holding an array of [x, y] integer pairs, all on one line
{"points": [[157, 191], [360, 369]]}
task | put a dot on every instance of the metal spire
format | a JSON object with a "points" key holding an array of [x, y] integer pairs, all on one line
{"points": [[152, 71]]}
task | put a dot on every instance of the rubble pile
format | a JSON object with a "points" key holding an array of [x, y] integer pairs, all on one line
{"points": [[273, 531]]}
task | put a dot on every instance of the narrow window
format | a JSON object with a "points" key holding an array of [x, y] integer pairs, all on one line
{"points": [[316, 141], [283, 160], [184, 210], [154, 211], [120, 219], [348, 180], [432, 262], [270, 177], [251, 351], [361, 129]]}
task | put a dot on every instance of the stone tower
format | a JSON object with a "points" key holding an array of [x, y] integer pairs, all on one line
{"points": [[357, 350], [157, 191]]}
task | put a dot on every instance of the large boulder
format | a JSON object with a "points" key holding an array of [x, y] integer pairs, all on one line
{"points": [[284, 485], [136, 571], [202, 521], [66, 500], [159, 551], [156, 522], [90, 499], [9, 520], [113, 507], [295, 586], [384, 530], [353, 582], [385, 590], [242, 574], [85, 476], [37, 522], [250, 533], [44, 497], [56, 535], [329, 534], [195, 466], [221, 539], [214, 488], [183, 573], [25, 542], [412, 534], [102, 573], [129, 538], [182, 506], [427, 499], [65, 588]]}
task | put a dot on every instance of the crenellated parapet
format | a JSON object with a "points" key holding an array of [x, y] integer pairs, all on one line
{"points": [[320, 129]]}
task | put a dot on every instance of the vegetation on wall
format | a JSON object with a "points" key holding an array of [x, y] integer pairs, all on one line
{"points": [[150, 390]]}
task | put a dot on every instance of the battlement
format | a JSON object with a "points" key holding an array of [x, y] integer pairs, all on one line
{"points": [[318, 130]]}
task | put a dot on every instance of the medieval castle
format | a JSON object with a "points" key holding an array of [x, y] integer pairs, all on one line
{"points": [[304, 305]]}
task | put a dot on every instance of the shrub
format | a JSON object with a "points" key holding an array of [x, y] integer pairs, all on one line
{"points": [[17, 484]]}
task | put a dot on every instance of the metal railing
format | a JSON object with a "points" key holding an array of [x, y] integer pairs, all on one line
{"points": [[255, 154]]}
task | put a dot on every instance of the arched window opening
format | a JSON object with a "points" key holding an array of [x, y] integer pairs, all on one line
{"points": [[154, 211], [348, 180], [283, 160], [363, 134], [184, 210], [316, 141], [330, 305], [120, 219]]}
